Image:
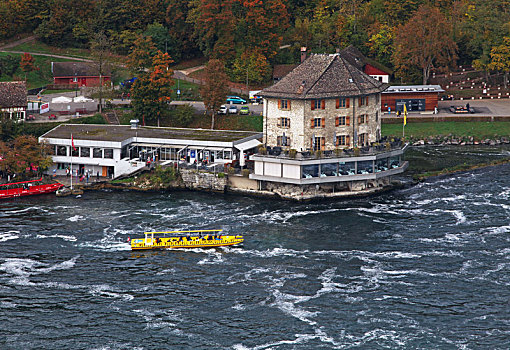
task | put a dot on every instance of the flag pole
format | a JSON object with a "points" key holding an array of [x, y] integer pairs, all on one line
{"points": [[405, 120], [71, 150]]}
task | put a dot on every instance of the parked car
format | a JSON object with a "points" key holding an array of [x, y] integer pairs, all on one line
{"points": [[30, 117], [232, 109], [52, 116], [223, 109], [235, 100], [244, 110]]}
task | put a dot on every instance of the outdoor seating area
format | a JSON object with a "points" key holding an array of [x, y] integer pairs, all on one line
{"points": [[383, 145]]}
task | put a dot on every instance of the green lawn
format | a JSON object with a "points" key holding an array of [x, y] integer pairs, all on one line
{"points": [[189, 91], [39, 47], [478, 130], [36, 78]]}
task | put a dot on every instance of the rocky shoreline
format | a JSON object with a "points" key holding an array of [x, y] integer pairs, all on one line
{"points": [[455, 140]]}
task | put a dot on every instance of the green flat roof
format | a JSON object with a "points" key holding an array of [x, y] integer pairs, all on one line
{"points": [[119, 133]]}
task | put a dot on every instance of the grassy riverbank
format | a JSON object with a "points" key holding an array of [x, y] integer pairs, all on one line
{"points": [[478, 130], [459, 168]]}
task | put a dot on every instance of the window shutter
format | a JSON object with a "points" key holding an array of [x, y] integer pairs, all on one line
{"points": [[347, 103], [288, 122], [279, 104], [279, 120], [288, 141], [337, 139], [347, 140], [323, 143], [360, 99], [337, 121], [311, 143], [311, 125], [323, 104], [347, 120], [288, 105], [278, 140], [359, 119], [366, 101], [323, 122], [337, 103], [313, 105]]}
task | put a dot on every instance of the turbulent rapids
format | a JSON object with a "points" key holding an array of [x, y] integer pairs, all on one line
{"points": [[422, 267]]}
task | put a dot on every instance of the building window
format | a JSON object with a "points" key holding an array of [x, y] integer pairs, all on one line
{"points": [[61, 151], [284, 122], [97, 153], [108, 153], [340, 140], [283, 140], [341, 121], [341, 103], [363, 101], [362, 119], [318, 122], [318, 143], [363, 139], [75, 151], [85, 152], [318, 104], [284, 105]]}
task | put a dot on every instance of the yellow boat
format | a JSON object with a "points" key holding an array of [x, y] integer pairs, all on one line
{"points": [[184, 239]]}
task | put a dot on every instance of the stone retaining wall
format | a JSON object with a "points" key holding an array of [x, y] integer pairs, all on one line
{"points": [[195, 180]]}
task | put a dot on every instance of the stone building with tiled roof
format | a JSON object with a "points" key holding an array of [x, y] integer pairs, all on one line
{"points": [[13, 99], [324, 103], [322, 127]]}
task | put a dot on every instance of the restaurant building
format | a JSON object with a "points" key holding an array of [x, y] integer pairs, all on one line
{"points": [[119, 150], [322, 131], [417, 98]]}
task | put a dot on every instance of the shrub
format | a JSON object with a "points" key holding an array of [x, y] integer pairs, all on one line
{"points": [[245, 172], [262, 150], [221, 175], [231, 170], [292, 153]]}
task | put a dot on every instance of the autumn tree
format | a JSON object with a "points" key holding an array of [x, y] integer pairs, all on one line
{"points": [[151, 92], [100, 48], [424, 42], [214, 23], [140, 58], [215, 90], [500, 59], [251, 66], [23, 155], [27, 63]]}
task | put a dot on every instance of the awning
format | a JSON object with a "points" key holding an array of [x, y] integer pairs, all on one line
{"points": [[248, 145]]}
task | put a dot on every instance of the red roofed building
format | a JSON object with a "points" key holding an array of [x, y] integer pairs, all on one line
{"points": [[80, 73]]}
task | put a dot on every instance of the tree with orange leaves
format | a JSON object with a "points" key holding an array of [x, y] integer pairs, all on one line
{"points": [[151, 92], [424, 42], [27, 63]]}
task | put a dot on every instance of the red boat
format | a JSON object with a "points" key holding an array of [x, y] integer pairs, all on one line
{"points": [[27, 188]]}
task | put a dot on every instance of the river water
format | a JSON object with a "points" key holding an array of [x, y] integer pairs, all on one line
{"points": [[427, 266]]}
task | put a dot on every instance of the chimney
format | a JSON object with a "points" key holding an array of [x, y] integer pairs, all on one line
{"points": [[303, 54], [134, 123]]}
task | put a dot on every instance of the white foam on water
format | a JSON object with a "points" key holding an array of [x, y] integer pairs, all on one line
{"points": [[28, 267], [214, 257], [7, 236], [496, 230], [76, 218], [104, 290], [64, 237], [298, 339], [118, 346], [8, 305]]}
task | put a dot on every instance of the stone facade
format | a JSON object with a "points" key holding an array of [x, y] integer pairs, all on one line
{"points": [[296, 121], [196, 180]]}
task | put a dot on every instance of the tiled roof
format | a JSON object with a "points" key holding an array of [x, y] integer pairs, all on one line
{"points": [[13, 94], [324, 76], [358, 60], [281, 70], [80, 69]]}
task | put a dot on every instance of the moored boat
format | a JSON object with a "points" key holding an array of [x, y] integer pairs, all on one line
{"points": [[27, 188], [185, 239]]}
